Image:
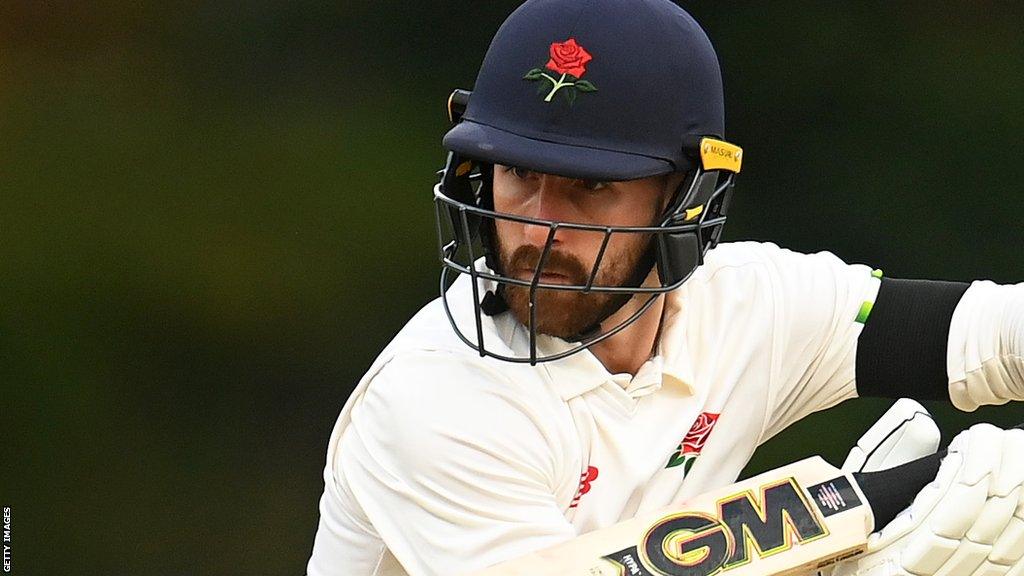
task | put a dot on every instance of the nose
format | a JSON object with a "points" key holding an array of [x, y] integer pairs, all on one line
{"points": [[538, 234], [550, 204]]}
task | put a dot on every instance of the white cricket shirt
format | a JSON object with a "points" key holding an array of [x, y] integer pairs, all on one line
{"points": [[443, 462]]}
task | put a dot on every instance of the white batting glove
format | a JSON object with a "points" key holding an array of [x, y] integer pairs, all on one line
{"points": [[968, 522], [904, 433]]}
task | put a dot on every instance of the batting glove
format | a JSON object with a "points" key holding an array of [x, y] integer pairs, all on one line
{"points": [[968, 522]]}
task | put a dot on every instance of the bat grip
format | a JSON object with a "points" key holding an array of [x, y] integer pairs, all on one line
{"points": [[890, 491]]}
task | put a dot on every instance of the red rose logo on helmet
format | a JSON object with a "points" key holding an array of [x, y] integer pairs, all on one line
{"points": [[568, 59]]}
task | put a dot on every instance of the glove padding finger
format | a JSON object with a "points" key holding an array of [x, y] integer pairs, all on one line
{"points": [[968, 522]]}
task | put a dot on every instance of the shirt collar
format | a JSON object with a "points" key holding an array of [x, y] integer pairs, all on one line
{"points": [[575, 374], [582, 372], [672, 346]]}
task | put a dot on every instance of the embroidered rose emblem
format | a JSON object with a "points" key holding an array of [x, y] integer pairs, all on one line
{"points": [[699, 433], [691, 445], [569, 60]]}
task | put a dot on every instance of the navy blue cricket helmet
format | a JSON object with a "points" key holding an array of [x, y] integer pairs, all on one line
{"points": [[602, 90]]}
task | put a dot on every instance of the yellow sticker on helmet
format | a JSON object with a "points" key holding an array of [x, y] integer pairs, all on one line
{"points": [[720, 155], [464, 168], [692, 213]]}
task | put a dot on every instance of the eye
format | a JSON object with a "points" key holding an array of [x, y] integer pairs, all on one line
{"points": [[518, 172], [591, 185]]}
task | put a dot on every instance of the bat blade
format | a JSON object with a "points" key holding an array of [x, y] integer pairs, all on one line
{"points": [[790, 520]]}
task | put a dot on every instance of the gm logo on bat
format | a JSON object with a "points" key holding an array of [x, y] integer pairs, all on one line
{"points": [[769, 523]]}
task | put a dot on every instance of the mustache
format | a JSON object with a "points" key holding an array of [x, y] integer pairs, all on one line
{"points": [[528, 257]]}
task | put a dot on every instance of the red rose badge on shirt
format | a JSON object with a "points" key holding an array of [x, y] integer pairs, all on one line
{"points": [[569, 60], [691, 445]]}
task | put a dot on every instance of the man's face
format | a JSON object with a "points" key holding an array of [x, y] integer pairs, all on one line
{"points": [[521, 192]]}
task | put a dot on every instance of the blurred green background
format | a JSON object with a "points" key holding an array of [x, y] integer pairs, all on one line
{"points": [[215, 214]]}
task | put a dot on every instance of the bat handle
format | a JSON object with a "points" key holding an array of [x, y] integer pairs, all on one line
{"points": [[890, 491]]}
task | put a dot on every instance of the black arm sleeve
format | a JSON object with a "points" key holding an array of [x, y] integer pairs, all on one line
{"points": [[902, 350]]}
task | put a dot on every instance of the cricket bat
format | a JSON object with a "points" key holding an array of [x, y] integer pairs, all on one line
{"points": [[791, 520]]}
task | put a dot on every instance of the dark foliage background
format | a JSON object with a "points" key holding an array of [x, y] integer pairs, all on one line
{"points": [[214, 214]]}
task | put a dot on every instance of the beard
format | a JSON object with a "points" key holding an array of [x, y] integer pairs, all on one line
{"points": [[570, 314]]}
